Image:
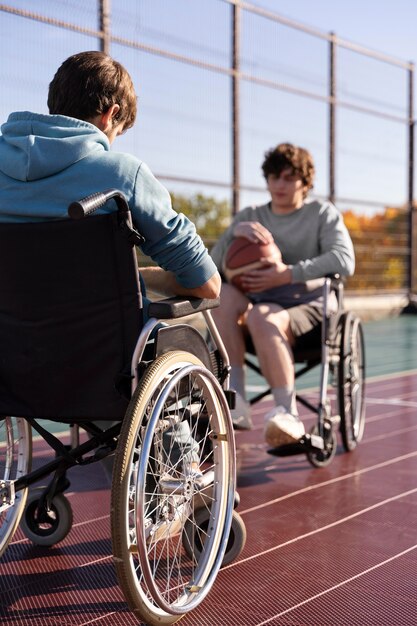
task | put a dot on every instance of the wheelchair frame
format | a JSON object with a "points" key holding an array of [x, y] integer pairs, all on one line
{"points": [[160, 503], [341, 356]]}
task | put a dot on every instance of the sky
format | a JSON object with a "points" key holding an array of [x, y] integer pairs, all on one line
{"points": [[382, 25], [183, 126]]}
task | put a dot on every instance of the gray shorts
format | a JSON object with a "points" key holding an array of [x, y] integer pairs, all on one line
{"points": [[305, 322]]}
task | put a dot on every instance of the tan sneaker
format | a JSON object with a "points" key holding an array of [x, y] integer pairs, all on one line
{"points": [[281, 428]]}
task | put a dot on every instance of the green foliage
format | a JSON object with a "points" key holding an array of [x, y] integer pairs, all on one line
{"points": [[210, 216], [381, 250]]}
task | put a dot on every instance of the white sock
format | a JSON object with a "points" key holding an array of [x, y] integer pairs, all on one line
{"points": [[285, 396], [237, 380]]}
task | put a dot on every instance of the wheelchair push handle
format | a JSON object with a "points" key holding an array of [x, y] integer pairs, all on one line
{"points": [[81, 208]]}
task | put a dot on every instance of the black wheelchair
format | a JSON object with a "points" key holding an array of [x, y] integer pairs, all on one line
{"points": [[75, 350], [341, 358]]}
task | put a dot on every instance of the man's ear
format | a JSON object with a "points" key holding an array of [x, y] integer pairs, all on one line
{"points": [[106, 119]]}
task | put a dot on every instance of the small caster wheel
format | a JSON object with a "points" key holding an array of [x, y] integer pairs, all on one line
{"points": [[195, 528], [42, 527], [321, 458]]}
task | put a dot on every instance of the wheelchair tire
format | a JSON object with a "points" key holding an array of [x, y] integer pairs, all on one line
{"points": [[46, 528], [194, 544], [321, 458], [15, 462], [351, 382], [153, 492]]}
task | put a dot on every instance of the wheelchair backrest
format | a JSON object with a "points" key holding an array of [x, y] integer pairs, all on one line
{"points": [[70, 315]]}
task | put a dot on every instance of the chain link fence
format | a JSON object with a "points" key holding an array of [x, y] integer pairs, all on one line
{"points": [[222, 81]]}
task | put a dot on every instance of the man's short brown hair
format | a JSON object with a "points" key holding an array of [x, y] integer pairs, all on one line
{"points": [[287, 156], [88, 84]]}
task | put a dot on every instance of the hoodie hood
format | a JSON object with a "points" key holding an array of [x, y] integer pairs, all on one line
{"points": [[34, 146]]}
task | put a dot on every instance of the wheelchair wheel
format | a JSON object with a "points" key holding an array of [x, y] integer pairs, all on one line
{"points": [[42, 527], [321, 458], [15, 462], [193, 543], [351, 382], [155, 491]]}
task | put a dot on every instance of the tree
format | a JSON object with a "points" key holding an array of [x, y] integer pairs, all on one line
{"points": [[209, 215]]}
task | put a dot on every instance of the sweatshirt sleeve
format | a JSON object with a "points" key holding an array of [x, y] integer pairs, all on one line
{"points": [[336, 254], [171, 239]]}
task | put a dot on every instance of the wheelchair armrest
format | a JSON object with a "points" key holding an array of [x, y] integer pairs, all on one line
{"points": [[335, 280], [337, 286], [172, 308]]}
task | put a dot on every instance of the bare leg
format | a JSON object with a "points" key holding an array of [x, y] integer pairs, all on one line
{"points": [[233, 305], [233, 309], [269, 326]]}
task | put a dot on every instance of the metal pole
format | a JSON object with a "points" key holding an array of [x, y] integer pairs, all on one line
{"points": [[332, 117], [104, 13], [236, 13], [411, 243]]}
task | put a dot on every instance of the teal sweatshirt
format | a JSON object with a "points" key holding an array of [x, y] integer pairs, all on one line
{"points": [[48, 161]]}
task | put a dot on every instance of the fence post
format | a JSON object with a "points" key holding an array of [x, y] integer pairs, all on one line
{"points": [[236, 13], [411, 243], [104, 13], [332, 116]]}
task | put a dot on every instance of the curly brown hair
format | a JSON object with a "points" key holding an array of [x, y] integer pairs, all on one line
{"points": [[287, 156], [88, 84]]}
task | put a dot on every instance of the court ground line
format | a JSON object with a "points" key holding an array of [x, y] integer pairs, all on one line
{"points": [[331, 481], [323, 528], [344, 582], [76, 525], [368, 420], [368, 379], [281, 498], [400, 431], [392, 402]]}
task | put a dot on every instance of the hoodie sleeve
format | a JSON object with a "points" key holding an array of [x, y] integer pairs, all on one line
{"points": [[219, 249], [171, 239]]}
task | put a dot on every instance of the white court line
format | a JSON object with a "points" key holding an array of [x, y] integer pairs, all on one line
{"points": [[77, 525], [331, 481], [400, 431], [323, 528], [391, 401], [344, 582], [368, 379], [383, 377]]}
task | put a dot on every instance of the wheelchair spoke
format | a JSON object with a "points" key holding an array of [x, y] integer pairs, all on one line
{"points": [[15, 461], [351, 382], [176, 468]]}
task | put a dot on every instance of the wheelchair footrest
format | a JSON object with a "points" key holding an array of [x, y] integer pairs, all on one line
{"points": [[313, 441], [306, 443], [288, 450]]}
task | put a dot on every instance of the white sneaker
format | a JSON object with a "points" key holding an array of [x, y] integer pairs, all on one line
{"points": [[241, 414], [281, 428]]}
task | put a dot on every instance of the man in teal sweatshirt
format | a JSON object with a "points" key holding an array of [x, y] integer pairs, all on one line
{"points": [[48, 161]]}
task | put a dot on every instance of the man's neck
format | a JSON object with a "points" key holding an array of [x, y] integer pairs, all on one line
{"points": [[285, 210]]}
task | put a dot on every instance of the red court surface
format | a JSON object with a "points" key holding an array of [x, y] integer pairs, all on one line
{"points": [[329, 546]]}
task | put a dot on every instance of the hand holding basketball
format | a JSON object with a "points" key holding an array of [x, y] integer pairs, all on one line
{"points": [[254, 231], [244, 256]]}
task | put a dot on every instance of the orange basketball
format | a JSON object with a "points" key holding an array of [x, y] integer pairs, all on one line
{"points": [[243, 255]]}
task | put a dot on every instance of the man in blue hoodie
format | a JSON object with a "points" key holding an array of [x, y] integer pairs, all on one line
{"points": [[47, 161]]}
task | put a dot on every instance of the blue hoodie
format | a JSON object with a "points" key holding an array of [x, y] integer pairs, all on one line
{"points": [[47, 161]]}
